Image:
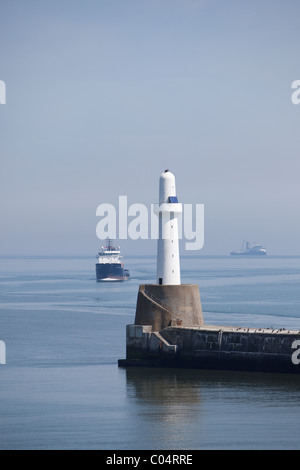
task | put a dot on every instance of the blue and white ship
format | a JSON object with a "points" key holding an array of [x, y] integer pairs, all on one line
{"points": [[110, 266]]}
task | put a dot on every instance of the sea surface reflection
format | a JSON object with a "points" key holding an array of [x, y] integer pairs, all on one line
{"points": [[195, 409]]}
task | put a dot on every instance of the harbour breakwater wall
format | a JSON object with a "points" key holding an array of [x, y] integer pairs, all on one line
{"points": [[169, 331], [213, 347]]}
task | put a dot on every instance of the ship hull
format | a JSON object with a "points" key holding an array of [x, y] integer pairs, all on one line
{"points": [[111, 272], [249, 254]]}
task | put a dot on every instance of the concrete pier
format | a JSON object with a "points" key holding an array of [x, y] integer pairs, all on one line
{"points": [[213, 347], [169, 331]]}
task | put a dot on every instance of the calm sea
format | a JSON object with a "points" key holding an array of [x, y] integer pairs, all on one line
{"points": [[61, 387]]}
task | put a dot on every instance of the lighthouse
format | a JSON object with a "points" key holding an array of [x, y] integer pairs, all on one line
{"points": [[167, 303], [168, 261]]}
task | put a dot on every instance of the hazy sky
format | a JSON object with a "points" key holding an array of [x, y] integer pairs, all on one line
{"points": [[103, 95]]}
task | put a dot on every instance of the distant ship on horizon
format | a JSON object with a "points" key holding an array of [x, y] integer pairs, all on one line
{"points": [[248, 249], [110, 266]]}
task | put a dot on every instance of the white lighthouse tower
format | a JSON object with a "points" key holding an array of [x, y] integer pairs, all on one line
{"points": [[168, 302], [168, 263]]}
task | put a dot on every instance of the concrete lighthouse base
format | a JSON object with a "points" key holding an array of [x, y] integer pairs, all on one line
{"points": [[168, 305]]}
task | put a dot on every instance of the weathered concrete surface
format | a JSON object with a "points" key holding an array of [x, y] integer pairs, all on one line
{"points": [[168, 305], [212, 347], [169, 331]]}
